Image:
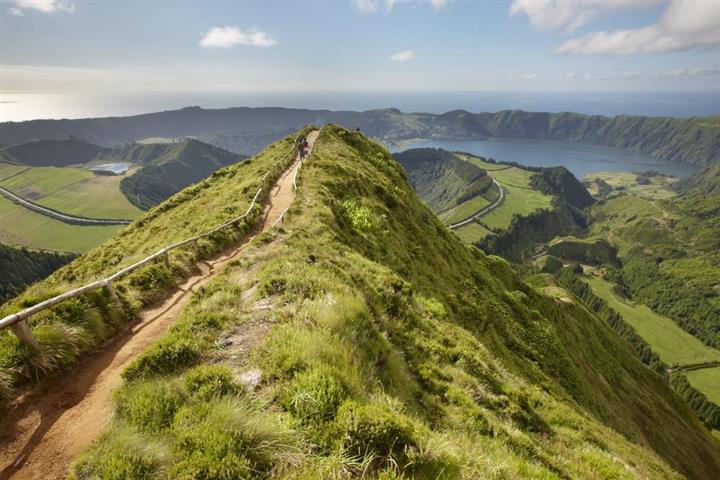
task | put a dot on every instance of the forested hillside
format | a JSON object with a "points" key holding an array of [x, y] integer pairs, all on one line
{"points": [[692, 140], [21, 267]]}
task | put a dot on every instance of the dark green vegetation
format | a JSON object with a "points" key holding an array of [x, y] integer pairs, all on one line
{"points": [[571, 280], [45, 153], [168, 168], [364, 339], [75, 328], [693, 140], [708, 411], [441, 179], [22, 267]]}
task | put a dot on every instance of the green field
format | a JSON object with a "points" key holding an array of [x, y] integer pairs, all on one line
{"points": [[23, 227], [674, 345], [472, 232], [464, 210], [520, 198], [75, 191], [657, 189], [707, 380]]}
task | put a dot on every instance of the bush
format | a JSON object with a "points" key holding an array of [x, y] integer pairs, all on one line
{"points": [[120, 454], [314, 395], [171, 354], [373, 429], [226, 439], [149, 406], [208, 381]]}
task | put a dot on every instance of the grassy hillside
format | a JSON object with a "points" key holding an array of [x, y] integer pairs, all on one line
{"points": [[441, 179], [692, 140], [77, 327], [364, 339], [168, 168], [58, 153], [22, 267]]}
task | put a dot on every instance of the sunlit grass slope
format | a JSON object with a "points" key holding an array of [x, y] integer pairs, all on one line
{"points": [[76, 327], [365, 340]]}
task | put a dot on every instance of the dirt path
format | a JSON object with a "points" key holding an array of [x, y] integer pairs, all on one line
{"points": [[42, 433]]}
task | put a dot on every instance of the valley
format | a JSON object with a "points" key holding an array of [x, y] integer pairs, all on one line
{"points": [[329, 334]]}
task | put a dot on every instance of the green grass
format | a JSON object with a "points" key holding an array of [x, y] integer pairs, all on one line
{"points": [[674, 345], [73, 328], [23, 227], [706, 380], [76, 191], [390, 350], [472, 232], [657, 189], [519, 199], [464, 210]]}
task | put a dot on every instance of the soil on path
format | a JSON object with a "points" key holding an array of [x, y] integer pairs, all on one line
{"points": [[43, 431]]}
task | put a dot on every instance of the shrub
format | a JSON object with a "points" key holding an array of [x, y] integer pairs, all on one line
{"points": [[373, 429], [361, 217], [208, 381], [149, 406], [121, 453], [226, 439], [314, 395], [171, 354]]}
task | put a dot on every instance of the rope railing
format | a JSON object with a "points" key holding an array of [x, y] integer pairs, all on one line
{"points": [[17, 320]]}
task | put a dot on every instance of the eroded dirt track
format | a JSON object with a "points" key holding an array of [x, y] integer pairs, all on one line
{"points": [[43, 431]]}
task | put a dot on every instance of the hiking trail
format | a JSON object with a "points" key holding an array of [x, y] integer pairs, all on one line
{"points": [[44, 430]]}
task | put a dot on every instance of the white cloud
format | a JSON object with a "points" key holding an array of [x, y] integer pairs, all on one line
{"points": [[685, 25], [569, 15], [439, 4], [45, 6], [228, 37], [374, 6], [403, 56], [524, 76]]}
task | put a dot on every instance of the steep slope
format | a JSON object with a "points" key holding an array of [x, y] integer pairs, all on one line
{"points": [[56, 153], [22, 267], [168, 168], [365, 339], [441, 179], [692, 140]]}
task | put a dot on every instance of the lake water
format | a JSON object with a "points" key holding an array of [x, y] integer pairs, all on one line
{"points": [[117, 168], [579, 158]]}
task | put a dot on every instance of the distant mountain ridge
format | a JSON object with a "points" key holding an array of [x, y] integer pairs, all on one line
{"points": [[693, 140], [58, 153]]}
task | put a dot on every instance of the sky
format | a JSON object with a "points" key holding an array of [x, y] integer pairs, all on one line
{"points": [[109, 47]]}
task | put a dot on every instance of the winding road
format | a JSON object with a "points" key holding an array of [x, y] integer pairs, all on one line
{"points": [[63, 217], [483, 210]]}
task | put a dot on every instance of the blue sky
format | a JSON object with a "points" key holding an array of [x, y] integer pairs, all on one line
{"points": [[99, 47]]}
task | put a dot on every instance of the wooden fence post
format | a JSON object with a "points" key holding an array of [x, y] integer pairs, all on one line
{"points": [[196, 247], [23, 332], [113, 293], [166, 258]]}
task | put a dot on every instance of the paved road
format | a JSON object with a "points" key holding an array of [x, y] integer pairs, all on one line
{"points": [[483, 210], [63, 217]]}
